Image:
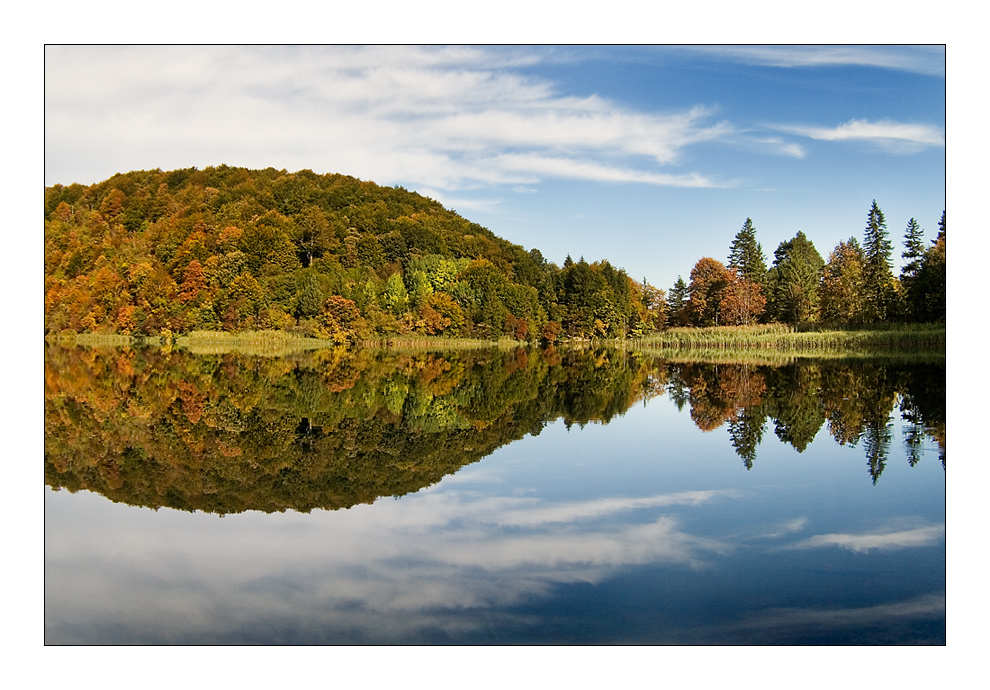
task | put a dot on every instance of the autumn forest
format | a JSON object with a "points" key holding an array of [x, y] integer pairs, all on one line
{"points": [[152, 253]]}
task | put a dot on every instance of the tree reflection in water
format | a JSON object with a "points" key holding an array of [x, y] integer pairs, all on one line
{"points": [[332, 429]]}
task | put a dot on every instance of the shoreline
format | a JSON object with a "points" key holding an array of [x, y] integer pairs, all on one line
{"points": [[761, 342]]}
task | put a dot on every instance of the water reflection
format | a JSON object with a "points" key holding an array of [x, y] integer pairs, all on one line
{"points": [[623, 516], [229, 433]]}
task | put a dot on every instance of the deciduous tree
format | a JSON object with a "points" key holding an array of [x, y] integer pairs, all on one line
{"points": [[709, 278], [841, 291], [742, 301]]}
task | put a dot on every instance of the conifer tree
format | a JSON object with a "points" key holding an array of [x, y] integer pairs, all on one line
{"points": [[676, 300], [914, 248], [746, 255], [877, 276], [792, 282], [914, 253]]}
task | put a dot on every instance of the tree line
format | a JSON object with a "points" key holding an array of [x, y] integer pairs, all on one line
{"points": [[151, 252], [856, 286]]}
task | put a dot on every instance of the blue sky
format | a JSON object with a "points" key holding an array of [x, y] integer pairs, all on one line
{"points": [[649, 156]]}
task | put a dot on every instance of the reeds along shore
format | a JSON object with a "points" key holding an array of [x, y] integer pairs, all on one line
{"points": [[775, 339], [916, 338]]}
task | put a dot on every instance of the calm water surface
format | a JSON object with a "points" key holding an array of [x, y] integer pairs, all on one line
{"points": [[491, 498]]}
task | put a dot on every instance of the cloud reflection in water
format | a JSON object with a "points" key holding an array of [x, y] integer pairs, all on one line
{"points": [[382, 572]]}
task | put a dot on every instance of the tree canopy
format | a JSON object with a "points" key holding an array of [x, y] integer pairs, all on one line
{"points": [[324, 255], [335, 257]]}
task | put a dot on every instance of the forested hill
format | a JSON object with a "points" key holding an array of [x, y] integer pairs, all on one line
{"points": [[331, 256]]}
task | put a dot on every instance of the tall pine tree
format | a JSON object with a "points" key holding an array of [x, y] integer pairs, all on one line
{"points": [[676, 299], [914, 254], [914, 248], [746, 255], [878, 280]]}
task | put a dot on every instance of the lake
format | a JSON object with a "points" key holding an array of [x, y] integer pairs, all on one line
{"points": [[594, 496]]}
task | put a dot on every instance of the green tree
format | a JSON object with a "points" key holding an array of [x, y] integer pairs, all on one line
{"points": [[931, 282], [746, 255], [878, 280], [314, 235], [310, 301], [746, 433], [792, 282], [914, 255], [676, 299], [841, 290], [395, 297], [914, 248]]}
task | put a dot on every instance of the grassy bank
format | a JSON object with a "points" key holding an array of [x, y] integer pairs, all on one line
{"points": [[923, 339], [92, 339], [760, 343], [426, 342], [263, 343]]}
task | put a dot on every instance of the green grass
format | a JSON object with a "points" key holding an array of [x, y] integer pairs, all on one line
{"points": [[780, 339], [263, 343], [426, 342], [91, 339], [771, 343]]}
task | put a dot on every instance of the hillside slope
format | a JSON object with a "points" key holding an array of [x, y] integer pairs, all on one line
{"points": [[324, 255]]}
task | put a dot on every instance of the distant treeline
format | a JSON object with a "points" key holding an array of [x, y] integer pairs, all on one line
{"points": [[856, 286], [330, 256]]}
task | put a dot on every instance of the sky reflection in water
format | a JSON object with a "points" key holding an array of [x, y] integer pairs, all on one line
{"points": [[645, 530]]}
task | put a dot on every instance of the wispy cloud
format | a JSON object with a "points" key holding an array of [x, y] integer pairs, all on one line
{"points": [[538, 166], [918, 59], [795, 525], [395, 568], [892, 539], [891, 135], [785, 148], [445, 118], [796, 625]]}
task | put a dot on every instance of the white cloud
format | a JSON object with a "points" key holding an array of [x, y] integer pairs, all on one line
{"points": [[893, 539], [919, 59], [396, 567], [531, 513], [782, 624], [784, 148], [589, 170], [446, 118], [889, 134], [795, 525]]}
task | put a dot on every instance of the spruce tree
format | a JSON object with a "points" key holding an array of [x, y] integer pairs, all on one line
{"points": [[746, 254], [676, 300], [877, 276], [914, 248], [792, 282], [914, 252]]}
